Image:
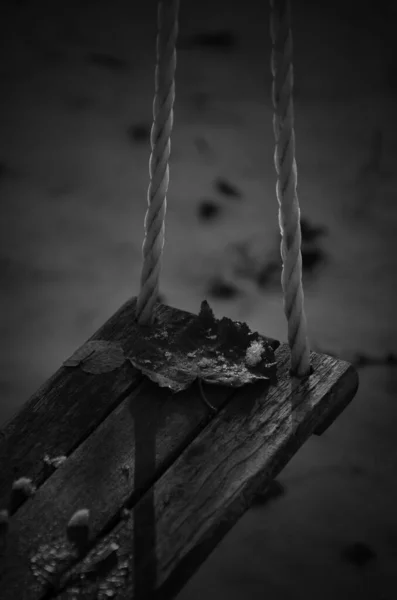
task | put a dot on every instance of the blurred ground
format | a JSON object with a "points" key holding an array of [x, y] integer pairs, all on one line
{"points": [[75, 113]]}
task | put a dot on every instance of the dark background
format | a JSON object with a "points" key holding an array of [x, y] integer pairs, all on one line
{"points": [[75, 114]]}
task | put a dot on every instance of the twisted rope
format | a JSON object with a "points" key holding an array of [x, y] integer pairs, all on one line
{"points": [[285, 163], [163, 117]]}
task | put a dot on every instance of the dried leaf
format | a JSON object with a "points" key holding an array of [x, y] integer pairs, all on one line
{"points": [[97, 356], [222, 352]]}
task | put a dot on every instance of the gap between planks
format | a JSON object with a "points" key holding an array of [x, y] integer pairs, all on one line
{"points": [[186, 512], [97, 422], [181, 519]]}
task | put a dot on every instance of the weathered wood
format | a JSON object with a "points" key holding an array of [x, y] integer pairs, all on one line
{"points": [[185, 514], [330, 417], [186, 475], [74, 414], [72, 404], [65, 410]]}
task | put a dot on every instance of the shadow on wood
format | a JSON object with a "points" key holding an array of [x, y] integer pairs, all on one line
{"points": [[164, 479]]}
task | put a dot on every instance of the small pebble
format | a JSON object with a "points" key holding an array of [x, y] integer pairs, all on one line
{"points": [[125, 469], [78, 527], [55, 462], [125, 513], [25, 485], [22, 489]]}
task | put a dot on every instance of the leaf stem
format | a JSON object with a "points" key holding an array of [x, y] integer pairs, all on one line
{"points": [[205, 399]]}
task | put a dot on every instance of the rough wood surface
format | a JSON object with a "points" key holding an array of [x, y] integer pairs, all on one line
{"points": [[64, 411], [185, 475], [71, 405], [330, 416], [119, 431], [179, 521]]}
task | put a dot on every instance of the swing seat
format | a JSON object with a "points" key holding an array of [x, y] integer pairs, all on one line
{"points": [[163, 478]]}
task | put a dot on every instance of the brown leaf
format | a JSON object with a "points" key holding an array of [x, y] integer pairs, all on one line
{"points": [[222, 352]]}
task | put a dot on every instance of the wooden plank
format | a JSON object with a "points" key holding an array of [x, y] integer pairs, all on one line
{"points": [[330, 417], [110, 470], [126, 455], [65, 410], [113, 458], [183, 516], [71, 404]]}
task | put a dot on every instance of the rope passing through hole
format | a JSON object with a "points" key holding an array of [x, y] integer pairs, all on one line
{"points": [[163, 117], [285, 164]]}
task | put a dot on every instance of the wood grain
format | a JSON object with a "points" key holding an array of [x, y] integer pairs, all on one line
{"points": [[71, 405], [183, 516], [120, 432], [184, 475], [64, 411]]}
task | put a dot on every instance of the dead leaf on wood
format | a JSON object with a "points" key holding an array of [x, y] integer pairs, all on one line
{"points": [[222, 352], [97, 356]]}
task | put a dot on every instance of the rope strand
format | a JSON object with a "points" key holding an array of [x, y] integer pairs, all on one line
{"points": [[163, 117], [285, 164]]}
